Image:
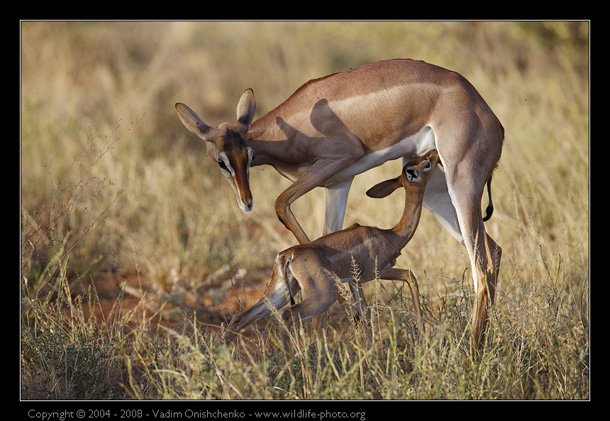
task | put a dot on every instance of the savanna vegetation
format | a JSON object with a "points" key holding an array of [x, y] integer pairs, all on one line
{"points": [[134, 253]]}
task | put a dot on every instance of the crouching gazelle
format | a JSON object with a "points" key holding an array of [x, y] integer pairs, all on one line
{"points": [[312, 267]]}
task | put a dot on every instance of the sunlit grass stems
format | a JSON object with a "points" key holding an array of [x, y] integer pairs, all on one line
{"points": [[114, 192]]}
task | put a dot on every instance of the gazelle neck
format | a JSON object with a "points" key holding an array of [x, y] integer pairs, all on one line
{"points": [[410, 216], [262, 137]]}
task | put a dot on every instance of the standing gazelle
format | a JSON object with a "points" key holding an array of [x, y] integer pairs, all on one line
{"points": [[313, 267], [333, 128]]}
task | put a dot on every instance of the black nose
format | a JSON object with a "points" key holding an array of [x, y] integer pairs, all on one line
{"points": [[248, 203], [412, 174]]}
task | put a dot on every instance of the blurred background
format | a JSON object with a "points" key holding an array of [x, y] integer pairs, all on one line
{"points": [[115, 190], [98, 120]]}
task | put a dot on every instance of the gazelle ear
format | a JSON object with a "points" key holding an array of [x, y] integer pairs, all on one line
{"points": [[427, 165], [192, 121], [383, 189], [246, 107], [432, 157]]}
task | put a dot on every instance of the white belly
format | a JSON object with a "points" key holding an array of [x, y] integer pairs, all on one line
{"points": [[415, 145]]}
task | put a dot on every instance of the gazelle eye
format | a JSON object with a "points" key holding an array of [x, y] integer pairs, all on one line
{"points": [[222, 165]]}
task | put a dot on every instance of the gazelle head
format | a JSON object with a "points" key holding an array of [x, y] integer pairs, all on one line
{"points": [[414, 175], [226, 145]]}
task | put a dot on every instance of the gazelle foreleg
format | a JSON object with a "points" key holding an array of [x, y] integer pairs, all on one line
{"points": [[315, 176], [359, 306], [396, 274], [336, 203]]}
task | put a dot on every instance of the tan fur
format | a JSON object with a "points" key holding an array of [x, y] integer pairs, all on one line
{"points": [[313, 267], [327, 130]]}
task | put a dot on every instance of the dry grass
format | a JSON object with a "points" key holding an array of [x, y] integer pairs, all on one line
{"points": [[115, 190]]}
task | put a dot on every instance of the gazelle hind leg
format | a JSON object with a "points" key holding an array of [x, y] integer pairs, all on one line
{"points": [[483, 252], [282, 287], [494, 251], [276, 299], [319, 292]]}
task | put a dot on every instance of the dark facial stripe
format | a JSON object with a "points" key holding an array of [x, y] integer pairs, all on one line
{"points": [[239, 161]]}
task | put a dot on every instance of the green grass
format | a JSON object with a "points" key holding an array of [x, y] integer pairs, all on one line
{"points": [[114, 189]]}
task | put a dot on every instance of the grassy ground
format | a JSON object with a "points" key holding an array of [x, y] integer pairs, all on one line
{"points": [[134, 252]]}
